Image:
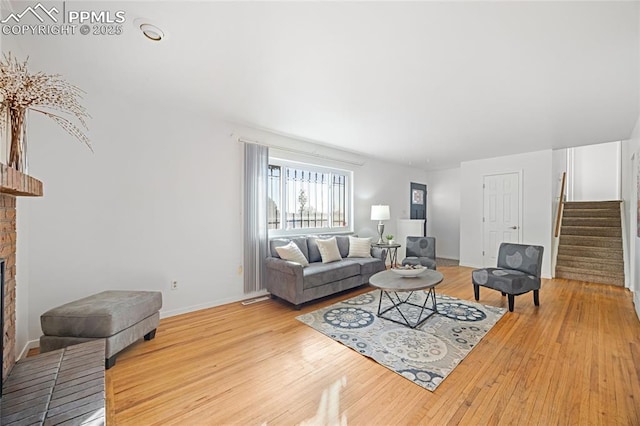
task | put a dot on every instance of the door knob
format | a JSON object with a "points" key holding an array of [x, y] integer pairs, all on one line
{"points": [[513, 227]]}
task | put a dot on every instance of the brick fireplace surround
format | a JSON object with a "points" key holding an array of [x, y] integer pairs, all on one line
{"points": [[12, 184]]}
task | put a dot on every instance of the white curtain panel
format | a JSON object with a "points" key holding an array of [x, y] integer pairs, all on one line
{"points": [[256, 164]]}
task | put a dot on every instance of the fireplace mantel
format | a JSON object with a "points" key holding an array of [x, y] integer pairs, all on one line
{"points": [[16, 183]]}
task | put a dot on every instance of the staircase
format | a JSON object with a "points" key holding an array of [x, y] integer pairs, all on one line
{"points": [[590, 247]]}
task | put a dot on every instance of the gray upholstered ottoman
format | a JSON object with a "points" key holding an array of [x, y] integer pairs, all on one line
{"points": [[119, 317]]}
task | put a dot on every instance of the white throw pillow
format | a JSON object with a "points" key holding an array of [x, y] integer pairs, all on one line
{"points": [[293, 253], [329, 250], [359, 247]]}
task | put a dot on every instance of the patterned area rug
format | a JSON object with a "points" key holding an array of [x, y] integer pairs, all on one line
{"points": [[425, 355]]}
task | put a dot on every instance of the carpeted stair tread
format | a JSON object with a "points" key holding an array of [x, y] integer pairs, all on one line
{"points": [[590, 245], [598, 205], [619, 281], [591, 265], [580, 275], [600, 259], [595, 274], [590, 252], [592, 231], [605, 222], [591, 213], [590, 241]]}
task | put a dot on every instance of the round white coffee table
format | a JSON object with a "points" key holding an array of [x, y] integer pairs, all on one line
{"points": [[390, 284]]}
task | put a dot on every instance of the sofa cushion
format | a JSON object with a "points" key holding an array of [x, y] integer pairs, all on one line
{"points": [[329, 251], [520, 257], [301, 242], [101, 315], [314, 253], [317, 274], [368, 265], [292, 253], [506, 280], [343, 245], [421, 247]]}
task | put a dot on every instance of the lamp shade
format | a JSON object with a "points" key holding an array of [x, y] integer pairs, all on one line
{"points": [[380, 212]]}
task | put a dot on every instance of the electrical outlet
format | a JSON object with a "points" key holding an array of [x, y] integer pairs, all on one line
{"points": [[174, 285]]}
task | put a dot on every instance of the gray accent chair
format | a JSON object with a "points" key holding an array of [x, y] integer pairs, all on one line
{"points": [[518, 272], [421, 251]]}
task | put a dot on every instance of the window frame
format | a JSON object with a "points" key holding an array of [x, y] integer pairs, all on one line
{"points": [[283, 164]]}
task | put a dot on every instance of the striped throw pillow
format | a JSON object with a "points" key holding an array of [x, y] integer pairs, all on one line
{"points": [[359, 247], [329, 250], [292, 253]]}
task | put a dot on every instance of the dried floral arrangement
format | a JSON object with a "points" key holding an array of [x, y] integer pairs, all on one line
{"points": [[48, 94]]}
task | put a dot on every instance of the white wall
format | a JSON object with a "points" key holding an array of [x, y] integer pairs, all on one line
{"points": [[630, 157], [443, 211], [383, 183], [630, 192], [630, 182], [159, 200], [537, 203], [596, 172]]}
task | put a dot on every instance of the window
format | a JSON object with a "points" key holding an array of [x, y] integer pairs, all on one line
{"points": [[307, 198]]}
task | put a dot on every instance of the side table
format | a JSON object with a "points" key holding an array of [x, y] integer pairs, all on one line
{"points": [[392, 249]]}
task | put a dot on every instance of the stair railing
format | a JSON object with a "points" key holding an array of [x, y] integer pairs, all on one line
{"points": [[556, 242], [560, 203]]}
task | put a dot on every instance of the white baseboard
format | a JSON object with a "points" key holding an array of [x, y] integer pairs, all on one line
{"points": [[193, 308], [30, 345], [636, 303], [468, 265]]}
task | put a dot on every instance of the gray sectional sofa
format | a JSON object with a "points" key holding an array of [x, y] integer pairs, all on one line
{"points": [[297, 284]]}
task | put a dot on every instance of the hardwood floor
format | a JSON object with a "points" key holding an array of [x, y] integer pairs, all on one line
{"points": [[575, 359]]}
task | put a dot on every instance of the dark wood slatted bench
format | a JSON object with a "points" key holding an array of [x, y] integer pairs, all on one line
{"points": [[62, 387]]}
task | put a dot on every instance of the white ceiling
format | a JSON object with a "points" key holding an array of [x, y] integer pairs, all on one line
{"points": [[424, 83]]}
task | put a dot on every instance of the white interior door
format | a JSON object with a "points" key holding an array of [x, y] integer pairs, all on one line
{"points": [[501, 213]]}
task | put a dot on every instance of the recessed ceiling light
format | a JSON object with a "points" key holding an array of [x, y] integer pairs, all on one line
{"points": [[149, 30], [152, 32]]}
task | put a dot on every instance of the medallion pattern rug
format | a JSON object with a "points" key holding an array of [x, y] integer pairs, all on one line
{"points": [[425, 355]]}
